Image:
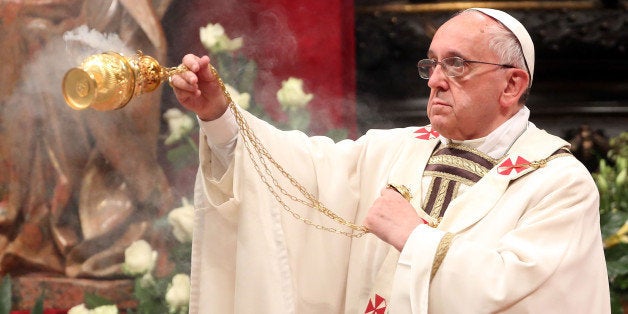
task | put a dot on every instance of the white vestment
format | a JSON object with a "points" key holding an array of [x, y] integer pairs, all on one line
{"points": [[524, 241]]}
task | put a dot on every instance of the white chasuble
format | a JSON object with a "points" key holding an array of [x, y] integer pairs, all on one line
{"points": [[521, 239]]}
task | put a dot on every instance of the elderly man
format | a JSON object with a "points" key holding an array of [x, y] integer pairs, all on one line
{"points": [[478, 212]]}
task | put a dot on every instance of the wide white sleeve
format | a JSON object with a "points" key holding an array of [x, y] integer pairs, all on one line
{"points": [[247, 245]]}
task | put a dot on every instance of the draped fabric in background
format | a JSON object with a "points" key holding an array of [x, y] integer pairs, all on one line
{"points": [[311, 40]]}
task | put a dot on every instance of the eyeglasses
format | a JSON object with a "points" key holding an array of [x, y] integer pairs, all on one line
{"points": [[452, 66]]}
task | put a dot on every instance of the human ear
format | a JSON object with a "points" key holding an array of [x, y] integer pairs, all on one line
{"points": [[516, 86]]}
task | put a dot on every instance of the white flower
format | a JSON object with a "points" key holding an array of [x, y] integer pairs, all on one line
{"points": [[139, 258], [214, 39], [182, 221], [241, 99], [210, 34], [226, 44], [291, 95], [79, 309], [179, 124], [103, 309], [178, 294]]}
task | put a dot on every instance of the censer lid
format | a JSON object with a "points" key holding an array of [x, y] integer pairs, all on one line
{"points": [[79, 88]]}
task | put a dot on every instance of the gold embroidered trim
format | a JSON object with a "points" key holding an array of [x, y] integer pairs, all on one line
{"points": [[452, 169], [439, 202], [541, 163], [533, 165], [433, 222], [401, 189], [430, 188], [448, 176], [471, 150], [441, 252], [459, 162]]}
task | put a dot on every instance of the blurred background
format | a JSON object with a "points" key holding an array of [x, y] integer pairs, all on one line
{"points": [[79, 187]]}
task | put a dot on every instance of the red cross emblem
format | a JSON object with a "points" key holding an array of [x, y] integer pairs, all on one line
{"points": [[376, 306], [508, 166], [426, 133]]}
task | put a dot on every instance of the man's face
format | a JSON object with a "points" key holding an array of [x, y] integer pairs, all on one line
{"points": [[466, 106]]}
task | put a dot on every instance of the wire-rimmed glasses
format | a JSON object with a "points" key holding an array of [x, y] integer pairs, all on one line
{"points": [[452, 66]]}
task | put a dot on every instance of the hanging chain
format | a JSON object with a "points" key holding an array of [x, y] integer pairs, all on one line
{"points": [[255, 148]]}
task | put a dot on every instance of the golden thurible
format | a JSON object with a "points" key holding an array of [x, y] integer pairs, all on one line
{"points": [[109, 80]]}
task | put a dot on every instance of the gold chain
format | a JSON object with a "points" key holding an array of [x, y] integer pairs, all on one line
{"points": [[175, 70], [252, 143]]}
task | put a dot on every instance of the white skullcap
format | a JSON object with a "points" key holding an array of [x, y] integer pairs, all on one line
{"points": [[513, 25]]}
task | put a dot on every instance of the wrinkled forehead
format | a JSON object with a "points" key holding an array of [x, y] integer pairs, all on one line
{"points": [[464, 35]]}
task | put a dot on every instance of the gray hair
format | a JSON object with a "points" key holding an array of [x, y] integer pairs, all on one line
{"points": [[504, 43], [507, 47]]}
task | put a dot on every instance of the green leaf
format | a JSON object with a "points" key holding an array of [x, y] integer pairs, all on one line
{"points": [[93, 301], [181, 255], [612, 221], [181, 156], [616, 252], [616, 306], [38, 307], [618, 270], [299, 120], [337, 134], [150, 298], [618, 267], [5, 295], [247, 77]]}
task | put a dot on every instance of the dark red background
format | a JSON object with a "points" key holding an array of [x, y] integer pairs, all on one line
{"points": [[311, 40]]}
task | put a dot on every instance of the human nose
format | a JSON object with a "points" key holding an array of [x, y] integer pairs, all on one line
{"points": [[438, 77]]}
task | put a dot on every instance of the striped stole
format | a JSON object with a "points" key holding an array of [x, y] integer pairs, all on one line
{"points": [[450, 166]]}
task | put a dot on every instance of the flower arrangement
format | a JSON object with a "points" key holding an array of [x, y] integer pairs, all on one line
{"points": [[239, 73], [168, 294], [611, 180]]}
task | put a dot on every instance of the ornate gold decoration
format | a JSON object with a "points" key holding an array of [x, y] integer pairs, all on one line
{"points": [[401, 189], [461, 163], [449, 167], [109, 80], [441, 252], [562, 152]]}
